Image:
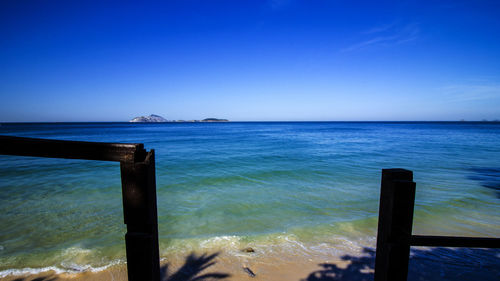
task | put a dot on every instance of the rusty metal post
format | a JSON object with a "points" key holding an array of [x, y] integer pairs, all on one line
{"points": [[397, 199], [140, 215]]}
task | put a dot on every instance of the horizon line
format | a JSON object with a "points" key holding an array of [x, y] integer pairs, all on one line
{"points": [[262, 121]]}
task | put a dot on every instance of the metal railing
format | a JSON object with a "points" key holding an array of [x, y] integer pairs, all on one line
{"points": [[137, 167]]}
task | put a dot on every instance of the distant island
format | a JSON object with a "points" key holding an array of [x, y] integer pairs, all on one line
{"points": [[153, 118], [149, 119], [214, 120]]}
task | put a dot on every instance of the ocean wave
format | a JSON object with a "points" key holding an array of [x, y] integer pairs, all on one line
{"points": [[71, 269], [76, 259], [274, 244], [70, 260]]}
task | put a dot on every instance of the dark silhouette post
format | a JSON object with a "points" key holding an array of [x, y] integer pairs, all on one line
{"points": [[138, 189], [140, 215], [397, 199]]}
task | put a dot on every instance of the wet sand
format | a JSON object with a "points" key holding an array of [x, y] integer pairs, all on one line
{"points": [[219, 271], [425, 264], [207, 267]]}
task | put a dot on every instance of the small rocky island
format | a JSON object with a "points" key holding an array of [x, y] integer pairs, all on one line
{"points": [[214, 120], [149, 119], [157, 118]]}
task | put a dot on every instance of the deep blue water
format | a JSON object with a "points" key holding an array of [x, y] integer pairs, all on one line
{"points": [[229, 185]]}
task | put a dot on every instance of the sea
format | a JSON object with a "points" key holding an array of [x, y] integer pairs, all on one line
{"points": [[308, 189]]}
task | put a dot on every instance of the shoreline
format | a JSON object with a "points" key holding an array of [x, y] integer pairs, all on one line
{"points": [[430, 264], [228, 257], [75, 261], [209, 266]]}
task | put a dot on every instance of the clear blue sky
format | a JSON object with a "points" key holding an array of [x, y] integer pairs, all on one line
{"points": [[249, 60]]}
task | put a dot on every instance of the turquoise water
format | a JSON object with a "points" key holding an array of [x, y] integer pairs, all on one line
{"points": [[310, 186]]}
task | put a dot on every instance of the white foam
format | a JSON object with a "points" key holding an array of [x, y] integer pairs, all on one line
{"points": [[65, 268], [74, 259], [28, 271], [75, 250], [232, 241]]}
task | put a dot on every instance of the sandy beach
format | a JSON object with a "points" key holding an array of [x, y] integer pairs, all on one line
{"points": [[204, 267], [426, 264], [222, 266]]}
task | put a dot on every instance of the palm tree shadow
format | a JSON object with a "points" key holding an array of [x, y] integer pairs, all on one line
{"points": [[191, 269], [359, 269], [465, 264]]}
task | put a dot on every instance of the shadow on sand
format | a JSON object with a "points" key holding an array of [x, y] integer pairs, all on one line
{"points": [[189, 271], [463, 264], [359, 269], [443, 264], [193, 266]]}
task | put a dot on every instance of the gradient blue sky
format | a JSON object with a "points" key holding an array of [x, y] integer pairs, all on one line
{"points": [[249, 60]]}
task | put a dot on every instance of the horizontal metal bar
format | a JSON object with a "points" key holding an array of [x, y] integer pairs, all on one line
{"points": [[120, 152], [451, 241]]}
